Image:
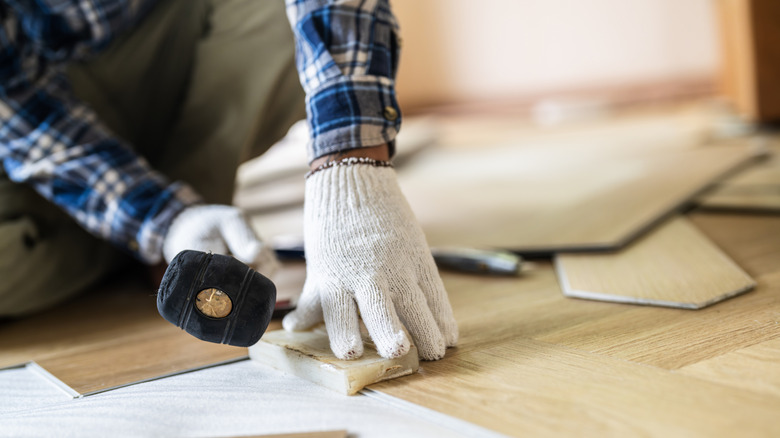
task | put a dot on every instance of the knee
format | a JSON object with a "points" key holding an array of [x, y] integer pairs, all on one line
{"points": [[43, 266]]}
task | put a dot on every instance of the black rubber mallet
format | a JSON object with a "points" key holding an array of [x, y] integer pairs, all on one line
{"points": [[216, 298]]}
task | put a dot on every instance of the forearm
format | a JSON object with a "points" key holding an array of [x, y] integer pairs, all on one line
{"points": [[57, 145], [347, 55]]}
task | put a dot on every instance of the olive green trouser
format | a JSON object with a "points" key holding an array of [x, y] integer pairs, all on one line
{"points": [[198, 87]]}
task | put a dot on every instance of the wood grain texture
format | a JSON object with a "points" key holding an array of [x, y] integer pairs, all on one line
{"points": [[750, 240], [674, 265], [671, 338], [754, 368], [108, 338], [559, 196], [532, 362], [754, 189], [530, 388], [591, 186]]}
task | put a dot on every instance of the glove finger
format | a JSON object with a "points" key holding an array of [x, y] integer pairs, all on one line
{"points": [[266, 262], [240, 237], [439, 303], [341, 321], [308, 311], [382, 322], [418, 319]]}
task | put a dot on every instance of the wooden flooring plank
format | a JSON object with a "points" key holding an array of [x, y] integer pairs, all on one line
{"points": [[531, 388], [133, 359], [492, 311], [754, 189], [674, 265], [109, 337], [750, 240], [754, 368], [672, 338], [559, 196]]}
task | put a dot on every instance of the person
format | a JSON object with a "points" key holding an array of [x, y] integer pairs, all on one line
{"points": [[122, 123]]}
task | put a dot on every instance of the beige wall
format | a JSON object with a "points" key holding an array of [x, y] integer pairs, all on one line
{"points": [[467, 50]]}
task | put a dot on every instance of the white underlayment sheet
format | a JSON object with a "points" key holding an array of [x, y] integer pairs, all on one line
{"points": [[238, 399]]}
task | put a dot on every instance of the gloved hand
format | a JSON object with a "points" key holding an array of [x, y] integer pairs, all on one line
{"points": [[220, 229], [365, 251]]}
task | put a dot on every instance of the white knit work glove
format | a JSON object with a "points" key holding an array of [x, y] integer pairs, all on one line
{"points": [[365, 251], [220, 229]]}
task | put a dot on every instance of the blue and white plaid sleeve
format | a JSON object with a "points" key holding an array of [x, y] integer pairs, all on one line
{"points": [[347, 56], [54, 142]]}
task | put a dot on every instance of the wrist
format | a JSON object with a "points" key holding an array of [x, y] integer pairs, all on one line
{"points": [[379, 153]]}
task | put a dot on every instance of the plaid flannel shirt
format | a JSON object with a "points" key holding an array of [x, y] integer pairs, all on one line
{"points": [[346, 53]]}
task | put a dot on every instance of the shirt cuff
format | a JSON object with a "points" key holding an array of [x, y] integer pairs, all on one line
{"points": [[352, 112], [148, 241]]}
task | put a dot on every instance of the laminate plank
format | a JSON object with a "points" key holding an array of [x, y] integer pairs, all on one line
{"points": [[750, 240], [672, 338], [754, 368], [539, 191], [530, 388], [107, 338], [133, 359], [491, 311], [274, 180], [307, 354], [754, 189], [324, 434], [561, 195], [674, 265]]}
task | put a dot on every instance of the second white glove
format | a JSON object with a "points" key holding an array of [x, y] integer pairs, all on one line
{"points": [[220, 229]]}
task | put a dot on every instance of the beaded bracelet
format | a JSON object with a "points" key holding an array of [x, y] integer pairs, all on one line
{"points": [[349, 162]]}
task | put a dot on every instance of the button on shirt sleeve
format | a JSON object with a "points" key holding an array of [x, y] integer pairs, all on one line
{"points": [[347, 55], [54, 142]]}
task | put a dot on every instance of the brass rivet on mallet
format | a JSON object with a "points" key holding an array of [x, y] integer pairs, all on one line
{"points": [[213, 303]]}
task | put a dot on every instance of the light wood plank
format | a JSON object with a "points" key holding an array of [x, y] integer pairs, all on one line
{"points": [[559, 196], [674, 338], [530, 388], [307, 354], [755, 368], [666, 337], [108, 338], [498, 182], [324, 434], [674, 265], [750, 240], [754, 189], [760, 199], [131, 359]]}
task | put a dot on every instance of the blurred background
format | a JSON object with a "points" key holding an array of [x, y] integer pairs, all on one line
{"points": [[516, 53]]}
